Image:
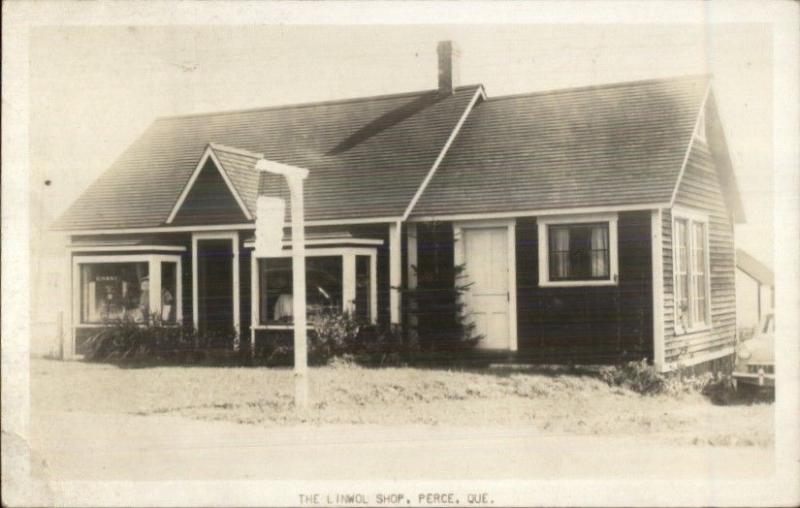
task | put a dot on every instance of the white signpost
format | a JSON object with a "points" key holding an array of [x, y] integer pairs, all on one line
{"points": [[269, 236]]}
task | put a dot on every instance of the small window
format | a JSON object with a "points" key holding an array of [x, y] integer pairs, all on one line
{"points": [[690, 250], [581, 251]]}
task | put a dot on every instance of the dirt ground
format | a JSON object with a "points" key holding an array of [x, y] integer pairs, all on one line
{"points": [[534, 399]]}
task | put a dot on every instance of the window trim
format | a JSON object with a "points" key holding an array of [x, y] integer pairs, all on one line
{"points": [[543, 227], [692, 217], [154, 274], [348, 255]]}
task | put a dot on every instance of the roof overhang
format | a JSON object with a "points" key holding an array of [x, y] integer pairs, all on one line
{"points": [[717, 144], [143, 244], [334, 238]]}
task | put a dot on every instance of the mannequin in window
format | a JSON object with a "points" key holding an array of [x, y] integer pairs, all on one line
{"points": [[144, 299], [109, 308], [166, 305], [284, 304]]}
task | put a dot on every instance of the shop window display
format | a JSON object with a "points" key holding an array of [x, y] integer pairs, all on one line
{"points": [[114, 291]]}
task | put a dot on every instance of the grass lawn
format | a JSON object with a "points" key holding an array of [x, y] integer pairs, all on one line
{"points": [[551, 401]]}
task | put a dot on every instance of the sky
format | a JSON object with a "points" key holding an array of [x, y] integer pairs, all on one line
{"points": [[95, 89]]}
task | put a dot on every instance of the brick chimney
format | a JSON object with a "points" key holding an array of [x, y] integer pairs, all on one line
{"points": [[447, 67]]}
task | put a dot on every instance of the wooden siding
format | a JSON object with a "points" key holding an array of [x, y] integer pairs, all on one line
{"points": [[209, 201], [700, 189], [602, 324]]}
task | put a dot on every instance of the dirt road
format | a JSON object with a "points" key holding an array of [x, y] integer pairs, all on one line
{"points": [[86, 446]]}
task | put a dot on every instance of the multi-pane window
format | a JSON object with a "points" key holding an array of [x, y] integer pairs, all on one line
{"points": [[691, 274], [579, 252]]}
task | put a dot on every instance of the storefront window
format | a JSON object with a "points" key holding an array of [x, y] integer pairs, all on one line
{"points": [[323, 287], [114, 291], [169, 301], [363, 287]]}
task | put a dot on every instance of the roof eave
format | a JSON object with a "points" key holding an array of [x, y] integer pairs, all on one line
{"points": [[717, 143]]}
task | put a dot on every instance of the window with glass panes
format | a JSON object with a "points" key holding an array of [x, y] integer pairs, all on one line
{"points": [[578, 252], [691, 274]]}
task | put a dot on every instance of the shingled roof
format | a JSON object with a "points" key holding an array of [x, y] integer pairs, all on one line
{"points": [[619, 144], [612, 145], [367, 157]]}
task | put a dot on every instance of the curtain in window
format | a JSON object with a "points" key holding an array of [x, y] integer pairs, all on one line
{"points": [[562, 265], [599, 257]]}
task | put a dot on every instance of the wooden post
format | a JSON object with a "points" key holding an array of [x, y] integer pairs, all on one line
{"points": [[412, 278], [395, 272], [237, 314], [299, 290], [68, 338], [657, 266], [349, 282], [255, 303], [294, 178]]}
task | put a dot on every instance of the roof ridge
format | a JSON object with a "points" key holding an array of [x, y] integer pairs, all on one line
{"points": [[314, 104], [232, 149], [600, 86]]}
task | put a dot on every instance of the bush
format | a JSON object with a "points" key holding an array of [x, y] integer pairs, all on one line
{"points": [[388, 346], [129, 341], [644, 379], [335, 333], [637, 376], [438, 305], [339, 338]]}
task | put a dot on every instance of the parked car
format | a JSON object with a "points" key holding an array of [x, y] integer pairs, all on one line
{"points": [[755, 358]]}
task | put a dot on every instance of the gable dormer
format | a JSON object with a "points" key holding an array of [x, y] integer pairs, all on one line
{"points": [[211, 196]]}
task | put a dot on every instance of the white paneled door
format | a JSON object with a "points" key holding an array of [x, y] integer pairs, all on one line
{"points": [[486, 259]]}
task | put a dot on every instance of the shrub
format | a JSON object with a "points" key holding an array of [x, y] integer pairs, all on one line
{"points": [[637, 376], [642, 378], [340, 337], [128, 340], [335, 333], [437, 303], [388, 346]]}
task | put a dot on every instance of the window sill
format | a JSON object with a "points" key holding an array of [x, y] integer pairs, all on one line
{"points": [[577, 283], [278, 327], [111, 325]]}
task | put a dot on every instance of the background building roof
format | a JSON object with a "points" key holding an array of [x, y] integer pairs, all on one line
{"points": [[754, 268]]}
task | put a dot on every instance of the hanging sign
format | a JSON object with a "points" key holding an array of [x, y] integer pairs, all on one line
{"points": [[270, 214]]}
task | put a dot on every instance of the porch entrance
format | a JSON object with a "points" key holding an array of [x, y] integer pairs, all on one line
{"points": [[488, 259], [215, 285]]}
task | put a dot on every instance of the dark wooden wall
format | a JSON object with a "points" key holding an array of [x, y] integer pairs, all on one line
{"points": [[700, 189], [587, 324], [209, 201]]}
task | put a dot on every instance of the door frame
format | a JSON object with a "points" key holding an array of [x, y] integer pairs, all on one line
{"points": [[459, 255], [233, 236]]}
